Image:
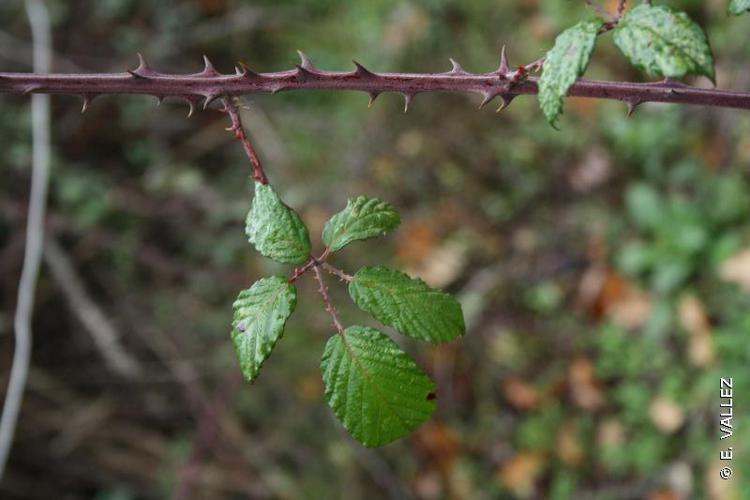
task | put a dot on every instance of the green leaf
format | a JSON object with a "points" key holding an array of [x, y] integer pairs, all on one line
{"points": [[408, 305], [664, 42], [563, 64], [375, 389], [260, 313], [362, 218], [737, 7], [276, 230]]}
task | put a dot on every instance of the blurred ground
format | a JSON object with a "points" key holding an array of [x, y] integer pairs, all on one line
{"points": [[604, 269]]}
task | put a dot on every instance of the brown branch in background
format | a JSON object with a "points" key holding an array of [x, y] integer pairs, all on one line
{"points": [[210, 85], [323, 290], [239, 132]]}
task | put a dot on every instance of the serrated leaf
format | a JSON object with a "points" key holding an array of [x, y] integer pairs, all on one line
{"points": [[407, 304], [737, 7], [276, 230], [375, 389], [260, 313], [362, 218], [664, 42], [563, 64]]}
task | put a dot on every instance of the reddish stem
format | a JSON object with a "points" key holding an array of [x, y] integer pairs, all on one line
{"points": [[239, 132], [323, 290]]}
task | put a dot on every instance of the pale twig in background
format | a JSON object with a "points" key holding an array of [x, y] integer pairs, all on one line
{"points": [[89, 314], [40, 32]]}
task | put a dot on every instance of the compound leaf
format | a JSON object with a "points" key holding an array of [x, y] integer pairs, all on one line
{"points": [[260, 313], [375, 389], [407, 304], [664, 42], [362, 218], [563, 64], [737, 7], [276, 230]]}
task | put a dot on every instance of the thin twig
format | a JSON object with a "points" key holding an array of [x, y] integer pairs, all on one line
{"points": [[40, 30], [299, 271], [323, 290], [239, 132], [337, 272]]}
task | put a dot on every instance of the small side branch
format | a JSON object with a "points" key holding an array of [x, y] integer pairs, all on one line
{"points": [[323, 290], [340, 274], [239, 132]]}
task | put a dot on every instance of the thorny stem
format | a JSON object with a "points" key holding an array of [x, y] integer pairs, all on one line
{"points": [[230, 108], [340, 274], [209, 85], [314, 261], [323, 290]]}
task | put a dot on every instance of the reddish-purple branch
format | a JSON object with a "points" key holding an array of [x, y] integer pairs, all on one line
{"points": [[230, 108], [209, 85]]}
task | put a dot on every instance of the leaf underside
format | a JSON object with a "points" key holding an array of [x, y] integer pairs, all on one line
{"points": [[363, 218], [276, 230], [664, 42], [563, 64], [737, 7], [407, 304], [375, 389], [260, 313]]}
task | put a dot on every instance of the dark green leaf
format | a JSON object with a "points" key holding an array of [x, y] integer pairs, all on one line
{"points": [[408, 305], [664, 42], [564, 63], [375, 389], [276, 230], [362, 218], [737, 7], [260, 313]]}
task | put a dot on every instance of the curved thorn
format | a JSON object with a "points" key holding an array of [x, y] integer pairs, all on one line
{"points": [[159, 99], [208, 68], [456, 68], [32, 88], [305, 62], [209, 98], [373, 95], [362, 71], [303, 73], [504, 67], [487, 97], [407, 100], [87, 99], [245, 72], [191, 109], [143, 70], [632, 104], [505, 101]]}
